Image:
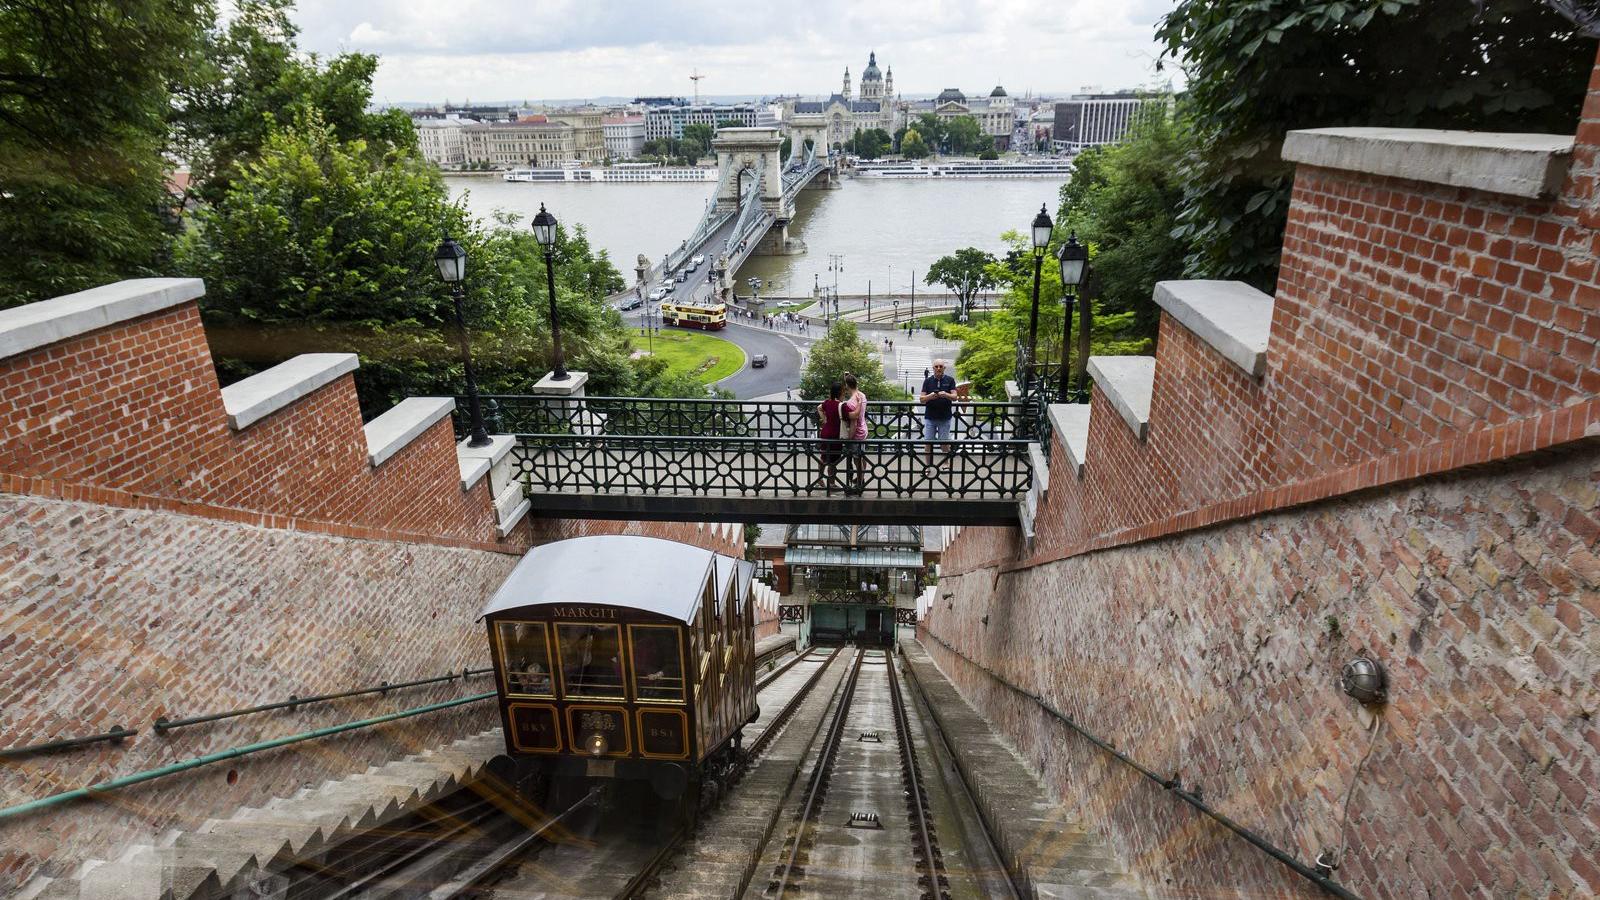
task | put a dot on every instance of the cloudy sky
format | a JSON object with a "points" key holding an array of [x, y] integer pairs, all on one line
{"points": [[508, 50]]}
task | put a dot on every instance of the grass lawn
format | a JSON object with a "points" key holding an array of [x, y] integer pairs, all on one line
{"points": [[708, 358]]}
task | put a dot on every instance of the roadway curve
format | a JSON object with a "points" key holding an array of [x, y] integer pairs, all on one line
{"points": [[782, 349]]}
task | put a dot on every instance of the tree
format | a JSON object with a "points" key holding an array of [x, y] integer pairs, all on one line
{"points": [[988, 153], [1257, 70], [967, 272], [697, 140], [83, 122], [912, 146], [729, 123], [963, 135], [934, 131], [251, 77], [870, 143], [1123, 199], [989, 347], [842, 351], [324, 245]]}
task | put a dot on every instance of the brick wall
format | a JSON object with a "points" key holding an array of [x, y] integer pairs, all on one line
{"points": [[1210, 655], [1418, 462], [135, 407], [156, 562]]}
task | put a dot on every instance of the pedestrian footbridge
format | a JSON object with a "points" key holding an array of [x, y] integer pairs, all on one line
{"points": [[748, 461]]}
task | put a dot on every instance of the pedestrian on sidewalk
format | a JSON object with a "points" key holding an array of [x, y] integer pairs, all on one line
{"points": [[938, 407]]}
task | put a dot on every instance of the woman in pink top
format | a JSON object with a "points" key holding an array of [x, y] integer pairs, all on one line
{"points": [[854, 413]]}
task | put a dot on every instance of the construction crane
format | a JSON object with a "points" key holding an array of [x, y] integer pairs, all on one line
{"points": [[695, 77]]}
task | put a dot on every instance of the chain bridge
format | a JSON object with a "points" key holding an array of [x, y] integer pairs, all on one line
{"points": [[751, 209]]}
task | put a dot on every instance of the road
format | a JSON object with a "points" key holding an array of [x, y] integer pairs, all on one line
{"points": [[781, 348]]}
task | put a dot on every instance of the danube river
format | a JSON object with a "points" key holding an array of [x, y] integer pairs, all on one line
{"points": [[883, 227]]}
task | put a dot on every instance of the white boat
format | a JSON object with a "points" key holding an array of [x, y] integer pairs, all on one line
{"points": [[618, 174], [1050, 168]]}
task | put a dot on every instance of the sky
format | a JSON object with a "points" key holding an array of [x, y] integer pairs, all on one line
{"points": [[488, 50]]}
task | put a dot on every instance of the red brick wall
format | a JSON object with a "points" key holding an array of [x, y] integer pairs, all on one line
{"points": [[136, 407], [1419, 330], [1209, 655]]}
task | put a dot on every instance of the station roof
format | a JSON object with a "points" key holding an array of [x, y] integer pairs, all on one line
{"points": [[855, 535], [645, 573], [844, 556]]}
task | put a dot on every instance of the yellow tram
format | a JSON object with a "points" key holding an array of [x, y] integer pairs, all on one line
{"points": [[625, 657]]}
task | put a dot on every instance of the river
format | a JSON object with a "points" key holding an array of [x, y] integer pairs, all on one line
{"points": [[883, 227]]}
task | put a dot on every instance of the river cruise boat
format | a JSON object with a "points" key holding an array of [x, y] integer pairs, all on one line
{"points": [[1040, 168], [626, 174]]}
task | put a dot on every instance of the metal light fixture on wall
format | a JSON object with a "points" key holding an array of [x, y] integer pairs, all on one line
{"points": [[544, 231], [451, 258], [1363, 678]]}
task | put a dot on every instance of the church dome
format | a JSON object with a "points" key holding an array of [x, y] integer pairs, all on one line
{"points": [[871, 73], [949, 94], [998, 91]]}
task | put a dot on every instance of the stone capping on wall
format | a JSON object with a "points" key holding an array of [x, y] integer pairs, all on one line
{"points": [[389, 433], [252, 399], [1128, 382], [1070, 422], [1522, 165], [477, 461], [35, 325], [1231, 316]]}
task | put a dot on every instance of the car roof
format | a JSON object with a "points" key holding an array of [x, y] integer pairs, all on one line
{"points": [[644, 573]]}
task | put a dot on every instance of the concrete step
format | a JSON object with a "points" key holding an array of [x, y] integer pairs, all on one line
{"points": [[1128, 382], [1070, 421], [1231, 316]]}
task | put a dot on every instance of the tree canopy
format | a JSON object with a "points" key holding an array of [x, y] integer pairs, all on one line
{"points": [[869, 143], [842, 351], [1257, 70], [967, 272], [697, 140], [912, 146], [84, 121]]}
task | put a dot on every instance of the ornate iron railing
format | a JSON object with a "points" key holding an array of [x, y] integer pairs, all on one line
{"points": [[846, 595], [766, 467], [596, 416]]}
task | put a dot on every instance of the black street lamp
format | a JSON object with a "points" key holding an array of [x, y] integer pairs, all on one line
{"points": [[451, 258], [544, 231], [1074, 260], [1042, 227]]}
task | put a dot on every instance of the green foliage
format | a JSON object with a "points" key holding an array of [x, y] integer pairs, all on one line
{"points": [[251, 78], [1258, 69], [1122, 200], [989, 352], [988, 153], [870, 143], [83, 123], [912, 146], [697, 140], [963, 135], [323, 245], [785, 147], [842, 351], [729, 123], [934, 130], [968, 272]]}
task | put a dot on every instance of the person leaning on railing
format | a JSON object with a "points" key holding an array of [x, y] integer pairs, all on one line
{"points": [[828, 431], [854, 432], [938, 406]]}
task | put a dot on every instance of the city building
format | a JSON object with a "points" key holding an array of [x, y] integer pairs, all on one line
{"points": [[1090, 120], [441, 141], [624, 136], [996, 113], [844, 116], [533, 141], [669, 121], [588, 132], [852, 582]]}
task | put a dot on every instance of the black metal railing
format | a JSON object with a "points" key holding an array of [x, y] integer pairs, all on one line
{"points": [[164, 724], [764, 467], [848, 595], [646, 416], [114, 736]]}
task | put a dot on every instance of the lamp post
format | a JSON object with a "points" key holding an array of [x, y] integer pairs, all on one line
{"points": [[544, 231], [1042, 226], [1074, 260], [451, 259]]}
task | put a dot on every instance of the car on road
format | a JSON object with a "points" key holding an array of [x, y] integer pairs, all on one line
{"points": [[632, 303], [759, 361], [696, 261], [660, 294], [683, 276]]}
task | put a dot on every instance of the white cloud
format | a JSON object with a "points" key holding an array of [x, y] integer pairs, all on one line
{"points": [[505, 50]]}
